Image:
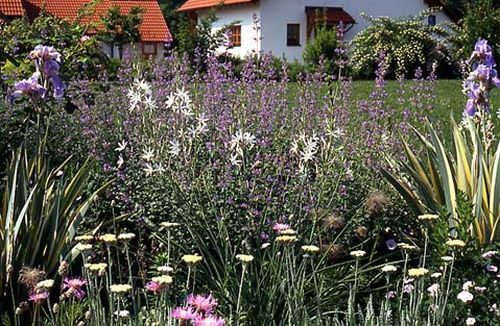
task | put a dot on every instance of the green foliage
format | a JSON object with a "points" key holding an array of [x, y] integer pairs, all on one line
{"points": [[122, 28], [176, 20], [18, 38], [197, 39], [41, 210], [407, 43], [481, 20], [437, 179], [322, 48]]}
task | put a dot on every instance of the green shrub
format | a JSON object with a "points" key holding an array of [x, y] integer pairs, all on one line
{"points": [[481, 20], [407, 43], [322, 48]]}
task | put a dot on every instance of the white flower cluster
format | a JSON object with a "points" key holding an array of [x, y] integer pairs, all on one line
{"points": [[140, 93], [241, 142], [306, 149], [180, 102]]}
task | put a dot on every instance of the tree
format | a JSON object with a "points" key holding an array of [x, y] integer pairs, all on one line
{"points": [[121, 28], [481, 20]]}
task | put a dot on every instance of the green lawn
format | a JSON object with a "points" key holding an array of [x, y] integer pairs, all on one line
{"points": [[449, 97]]}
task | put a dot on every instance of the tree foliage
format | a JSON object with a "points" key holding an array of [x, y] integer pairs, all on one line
{"points": [[122, 28], [322, 48], [17, 38], [481, 20]]}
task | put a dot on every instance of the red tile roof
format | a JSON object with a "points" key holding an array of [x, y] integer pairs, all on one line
{"points": [[190, 5], [152, 29], [11, 8]]}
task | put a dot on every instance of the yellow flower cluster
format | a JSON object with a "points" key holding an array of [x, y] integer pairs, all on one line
{"points": [[169, 225], [288, 232], [357, 253], [244, 258], [455, 243], [83, 246], [120, 288], [163, 279], [428, 217], [310, 249], [84, 238], [108, 238], [286, 238], [45, 284], [126, 236], [97, 268], [406, 246], [192, 259], [418, 272]]}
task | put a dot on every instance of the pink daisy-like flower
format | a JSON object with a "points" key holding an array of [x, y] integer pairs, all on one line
{"points": [[155, 287], [184, 313], [39, 297], [204, 304], [279, 227], [210, 321], [74, 287]]}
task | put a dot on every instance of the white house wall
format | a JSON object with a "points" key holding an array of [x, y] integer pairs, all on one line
{"points": [[132, 49], [274, 15], [243, 15]]}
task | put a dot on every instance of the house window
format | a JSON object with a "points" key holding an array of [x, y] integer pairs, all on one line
{"points": [[431, 20], [293, 34], [236, 35]]}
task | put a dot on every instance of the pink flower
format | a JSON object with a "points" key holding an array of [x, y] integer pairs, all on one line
{"points": [[279, 227], [74, 287], [492, 268], [154, 287], [184, 313], [39, 297], [84, 38], [210, 321], [433, 290], [489, 254], [204, 304]]}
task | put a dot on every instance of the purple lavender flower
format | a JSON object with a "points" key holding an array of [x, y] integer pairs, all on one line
{"points": [[391, 244]]}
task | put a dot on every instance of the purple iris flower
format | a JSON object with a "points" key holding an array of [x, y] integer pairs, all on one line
{"points": [[51, 68], [482, 72], [473, 96], [45, 53], [58, 85], [28, 86], [470, 108], [482, 47]]}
